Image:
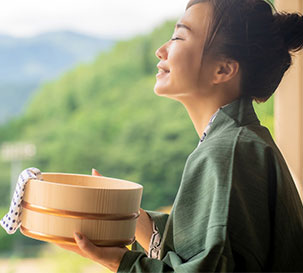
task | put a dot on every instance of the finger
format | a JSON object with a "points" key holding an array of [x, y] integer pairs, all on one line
{"points": [[96, 173], [87, 247]]}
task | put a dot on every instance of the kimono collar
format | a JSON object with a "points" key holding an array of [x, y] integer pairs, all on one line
{"points": [[238, 113]]}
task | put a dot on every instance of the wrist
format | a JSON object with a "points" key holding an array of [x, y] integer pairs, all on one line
{"points": [[114, 265], [144, 229]]}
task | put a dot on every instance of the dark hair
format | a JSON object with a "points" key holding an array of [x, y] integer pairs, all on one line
{"points": [[248, 31]]}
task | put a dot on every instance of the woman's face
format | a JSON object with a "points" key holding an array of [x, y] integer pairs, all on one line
{"points": [[181, 57]]}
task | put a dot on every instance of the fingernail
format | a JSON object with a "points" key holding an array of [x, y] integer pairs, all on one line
{"points": [[78, 235]]}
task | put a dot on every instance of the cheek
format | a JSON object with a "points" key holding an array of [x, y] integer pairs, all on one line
{"points": [[184, 65], [186, 68]]}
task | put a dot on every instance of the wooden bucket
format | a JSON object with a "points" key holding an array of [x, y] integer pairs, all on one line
{"points": [[102, 208]]}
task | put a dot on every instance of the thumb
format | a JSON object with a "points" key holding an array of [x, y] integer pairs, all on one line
{"points": [[86, 246], [96, 173]]}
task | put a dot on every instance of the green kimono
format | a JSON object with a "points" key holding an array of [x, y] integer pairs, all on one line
{"points": [[237, 207]]}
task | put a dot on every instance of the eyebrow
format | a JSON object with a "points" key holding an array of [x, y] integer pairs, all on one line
{"points": [[183, 26]]}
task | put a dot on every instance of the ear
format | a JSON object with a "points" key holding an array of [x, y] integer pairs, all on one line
{"points": [[225, 70]]}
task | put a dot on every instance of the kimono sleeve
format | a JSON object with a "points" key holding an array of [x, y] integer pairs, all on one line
{"points": [[159, 218], [134, 261], [215, 225]]}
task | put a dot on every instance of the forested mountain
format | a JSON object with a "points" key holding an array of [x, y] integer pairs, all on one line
{"points": [[27, 62], [105, 115]]}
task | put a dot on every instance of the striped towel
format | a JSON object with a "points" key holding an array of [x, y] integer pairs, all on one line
{"points": [[12, 220]]}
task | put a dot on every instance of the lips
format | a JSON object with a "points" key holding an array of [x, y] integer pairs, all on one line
{"points": [[163, 69], [162, 73]]}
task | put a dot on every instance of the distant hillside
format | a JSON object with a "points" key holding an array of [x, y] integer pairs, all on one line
{"points": [[27, 62]]}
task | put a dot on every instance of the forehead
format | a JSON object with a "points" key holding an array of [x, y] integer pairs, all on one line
{"points": [[197, 17]]}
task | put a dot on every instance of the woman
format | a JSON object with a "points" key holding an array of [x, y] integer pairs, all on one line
{"points": [[237, 208]]}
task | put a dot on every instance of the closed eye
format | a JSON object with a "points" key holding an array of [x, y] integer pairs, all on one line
{"points": [[173, 39]]}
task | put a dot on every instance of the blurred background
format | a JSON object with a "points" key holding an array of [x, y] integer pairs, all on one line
{"points": [[76, 93]]}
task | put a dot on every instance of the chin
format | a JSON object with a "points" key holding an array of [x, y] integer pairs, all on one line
{"points": [[161, 92], [161, 89]]}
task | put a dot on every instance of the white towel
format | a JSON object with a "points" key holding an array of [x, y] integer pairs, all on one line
{"points": [[12, 220]]}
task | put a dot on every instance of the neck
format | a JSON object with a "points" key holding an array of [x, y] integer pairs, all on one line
{"points": [[201, 109]]}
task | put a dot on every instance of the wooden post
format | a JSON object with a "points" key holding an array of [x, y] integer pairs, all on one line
{"points": [[289, 108]]}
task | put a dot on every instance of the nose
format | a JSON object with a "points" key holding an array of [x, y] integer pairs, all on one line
{"points": [[161, 52]]}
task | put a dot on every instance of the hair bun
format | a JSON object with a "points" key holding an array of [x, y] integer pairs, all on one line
{"points": [[291, 28]]}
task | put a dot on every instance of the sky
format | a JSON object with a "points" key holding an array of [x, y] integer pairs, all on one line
{"points": [[109, 19]]}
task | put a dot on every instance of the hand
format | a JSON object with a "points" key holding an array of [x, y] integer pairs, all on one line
{"points": [[109, 257]]}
